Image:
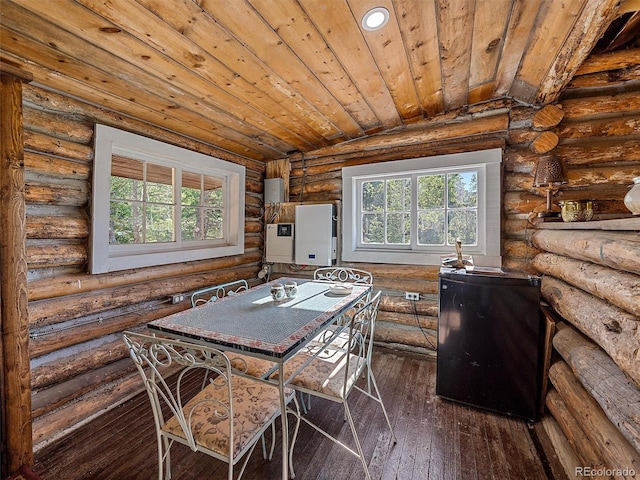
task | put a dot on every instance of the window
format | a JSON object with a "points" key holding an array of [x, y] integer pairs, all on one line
{"points": [[413, 211], [162, 204]]}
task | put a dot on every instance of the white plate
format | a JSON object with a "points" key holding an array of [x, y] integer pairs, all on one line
{"points": [[341, 288]]}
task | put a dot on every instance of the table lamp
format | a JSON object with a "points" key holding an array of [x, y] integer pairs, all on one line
{"points": [[549, 174]]}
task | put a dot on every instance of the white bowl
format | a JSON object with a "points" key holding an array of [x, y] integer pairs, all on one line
{"points": [[341, 288]]}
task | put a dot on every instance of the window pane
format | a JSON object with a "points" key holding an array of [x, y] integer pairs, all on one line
{"points": [[125, 223], [127, 177], [159, 184], [191, 188], [431, 227], [373, 228], [126, 189], [463, 224], [159, 223], [213, 192], [190, 223], [463, 190], [398, 228], [430, 192], [213, 223], [373, 196], [399, 194]]}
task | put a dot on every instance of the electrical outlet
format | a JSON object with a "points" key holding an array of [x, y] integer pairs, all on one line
{"points": [[177, 298], [412, 295]]}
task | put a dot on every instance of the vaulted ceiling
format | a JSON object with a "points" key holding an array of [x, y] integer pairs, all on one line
{"points": [[264, 78]]}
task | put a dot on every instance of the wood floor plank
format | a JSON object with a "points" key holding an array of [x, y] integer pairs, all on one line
{"points": [[437, 439], [426, 418], [401, 420], [413, 431]]}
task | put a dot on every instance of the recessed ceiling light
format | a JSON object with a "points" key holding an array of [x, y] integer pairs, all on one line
{"points": [[375, 18]]}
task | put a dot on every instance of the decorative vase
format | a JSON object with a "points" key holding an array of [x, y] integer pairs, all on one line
{"points": [[632, 198]]}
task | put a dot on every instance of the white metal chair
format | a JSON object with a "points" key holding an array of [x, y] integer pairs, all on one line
{"points": [[225, 419], [245, 364], [216, 292], [333, 371], [337, 275], [343, 275]]}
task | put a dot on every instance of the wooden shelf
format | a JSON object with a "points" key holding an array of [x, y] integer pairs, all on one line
{"points": [[625, 223]]}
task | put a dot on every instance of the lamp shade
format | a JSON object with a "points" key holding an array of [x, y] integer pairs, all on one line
{"points": [[549, 171]]}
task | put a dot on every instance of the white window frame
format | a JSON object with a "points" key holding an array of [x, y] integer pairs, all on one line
{"points": [[487, 251], [108, 258]]}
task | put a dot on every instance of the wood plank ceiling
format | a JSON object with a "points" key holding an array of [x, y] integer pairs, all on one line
{"points": [[264, 78]]}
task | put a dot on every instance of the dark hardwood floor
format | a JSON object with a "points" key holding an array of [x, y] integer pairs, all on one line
{"points": [[437, 439]]}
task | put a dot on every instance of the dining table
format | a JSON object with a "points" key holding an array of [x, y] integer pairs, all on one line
{"points": [[253, 323]]}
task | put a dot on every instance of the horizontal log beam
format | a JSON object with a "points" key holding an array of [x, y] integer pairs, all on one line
{"points": [[408, 319], [63, 285], [595, 106], [615, 331], [58, 126], [495, 124], [57, 226], [575, 435], [609, 61], [49, 399], [561, 446], [323, 164], [57, 424], [424, 306], [56, 310], [69, 195], [591, 246], [46, 255], [404, 335], [59, 340], [607, 439], [622, 289], [609, 127], [56, 166], [42, 143], [608, 150], [64, 366], [618, 397]]}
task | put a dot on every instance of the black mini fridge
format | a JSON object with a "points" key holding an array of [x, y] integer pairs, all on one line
{"points": [[490, 341]]}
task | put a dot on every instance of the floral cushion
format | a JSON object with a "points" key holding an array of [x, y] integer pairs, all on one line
{"points": [[254, 405], [254, 367], [325, 373]]}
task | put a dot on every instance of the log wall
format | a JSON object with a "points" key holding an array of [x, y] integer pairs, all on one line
{"points": [[591, 277], [78, 363], [79, 366], [525, 134]]}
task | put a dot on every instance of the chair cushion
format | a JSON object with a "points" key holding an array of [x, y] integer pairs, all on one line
{"points": [[254, 367], [325, 373], [254, 405]]}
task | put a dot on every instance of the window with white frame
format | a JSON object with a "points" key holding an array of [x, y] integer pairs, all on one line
{"points": [[155, 203], [413, 211]]}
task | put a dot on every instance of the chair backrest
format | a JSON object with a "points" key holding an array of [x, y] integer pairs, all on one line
{"points": [[343, 275], [360, 343], [168, 367], [364, 322], [216, 292]]}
